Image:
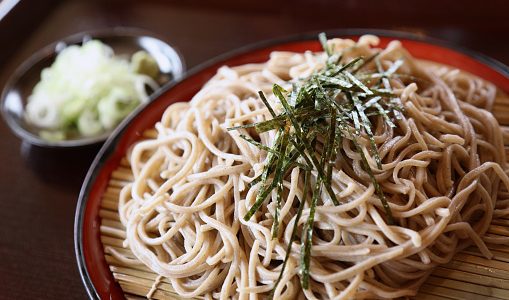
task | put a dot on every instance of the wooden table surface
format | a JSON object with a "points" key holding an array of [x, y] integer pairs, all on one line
{"points": [[39, 187]]}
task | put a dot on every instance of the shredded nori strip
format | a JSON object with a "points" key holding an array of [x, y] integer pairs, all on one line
{"points": [[316, 116]]}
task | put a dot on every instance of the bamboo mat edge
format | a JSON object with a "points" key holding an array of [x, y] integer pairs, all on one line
{"points": [[468, 276]]}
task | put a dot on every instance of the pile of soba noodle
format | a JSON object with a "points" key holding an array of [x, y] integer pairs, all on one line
{"points": [[443, 174]]}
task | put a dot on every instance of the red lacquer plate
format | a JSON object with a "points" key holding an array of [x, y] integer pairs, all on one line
{"points": [[94, 270]]}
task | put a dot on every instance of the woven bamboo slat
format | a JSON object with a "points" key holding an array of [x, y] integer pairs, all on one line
{"points": [[468, 276]]}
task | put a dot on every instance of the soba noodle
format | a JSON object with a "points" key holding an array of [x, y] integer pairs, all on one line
{"points": [[443, 173]]}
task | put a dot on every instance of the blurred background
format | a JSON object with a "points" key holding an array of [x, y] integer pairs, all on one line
{"points": [[201, 29], [40, 186]]}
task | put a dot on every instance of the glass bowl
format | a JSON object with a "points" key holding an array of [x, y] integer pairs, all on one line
{"points": [[123, 41]]}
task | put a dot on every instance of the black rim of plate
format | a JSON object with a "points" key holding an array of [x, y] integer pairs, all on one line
{"points": [[109, 146]]}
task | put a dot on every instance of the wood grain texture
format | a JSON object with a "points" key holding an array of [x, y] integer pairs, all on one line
{"points": [[40, 186]]}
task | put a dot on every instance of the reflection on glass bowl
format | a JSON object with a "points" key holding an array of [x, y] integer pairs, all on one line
{"points": [[123, 41]]}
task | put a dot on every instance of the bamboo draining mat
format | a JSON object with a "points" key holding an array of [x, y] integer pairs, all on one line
{"points": [[468, 276]]}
